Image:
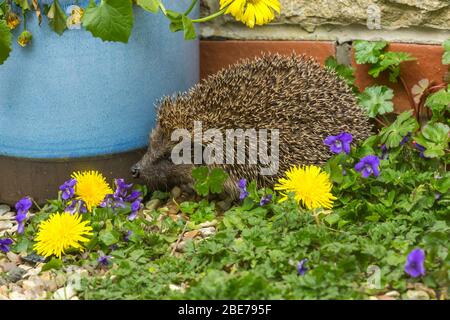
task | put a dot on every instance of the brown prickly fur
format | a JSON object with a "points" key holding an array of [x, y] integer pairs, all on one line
{"points": [[293, 94]]}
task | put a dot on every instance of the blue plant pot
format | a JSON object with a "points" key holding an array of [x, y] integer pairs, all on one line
{"points": [[75, 95], [67, 102]]}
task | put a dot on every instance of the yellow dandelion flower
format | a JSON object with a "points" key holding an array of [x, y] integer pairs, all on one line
{"points": [[12, 20], [310, 185], [61, 232], [251, 12], [91, 187]]}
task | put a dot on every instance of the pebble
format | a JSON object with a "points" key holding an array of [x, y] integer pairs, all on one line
{"points": [[206, 224], [4, 209], [33, 258], [64, 293], [13, 257], [206, 232], [8, 266], [5, 225], [417, 295], [181, 245], [394, 294], [153, 204], [15, 274], [175, 192], [191, 234], [8, 216]]}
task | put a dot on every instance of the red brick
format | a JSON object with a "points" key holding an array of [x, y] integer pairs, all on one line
{"points": [[427, 66], [216, 55]]}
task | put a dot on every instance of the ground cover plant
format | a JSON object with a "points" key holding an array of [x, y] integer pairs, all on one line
{"points": [[372, 223]]}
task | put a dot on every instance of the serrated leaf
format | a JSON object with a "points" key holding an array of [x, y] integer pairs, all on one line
{"points": [[112, 20], [393, 135], [57, 18], [434, 137], [367, 51], [149, 5], [217, 178], [419, 89], [390, 61], [377, 100], [5, 41], [446, 56], [439, 101]]}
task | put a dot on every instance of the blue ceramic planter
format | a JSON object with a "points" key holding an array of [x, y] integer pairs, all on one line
{"points": [[75, 96]]}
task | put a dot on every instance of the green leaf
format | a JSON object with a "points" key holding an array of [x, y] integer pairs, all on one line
{"points": [[5, 41], [189, 29], [393, 135], [446, 56], [200, 174], [149, 5], [54, 263], [112, 20], [390, 61], [206, 181], [434, 137], [109, 237], [57, 18], [439, 101], [23, 4], [217, 178], [368, 52], [377, 100], [345, 72]]}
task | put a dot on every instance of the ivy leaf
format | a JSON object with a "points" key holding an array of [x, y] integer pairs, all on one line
{"points": [[434, 137], [390, 61], [57, 18], [149, 5], [189, 29], [345, 72], [393, 135], [367, 51], [446, 56], [377, 100], [112, 20], [23, 4], [5, 41]]}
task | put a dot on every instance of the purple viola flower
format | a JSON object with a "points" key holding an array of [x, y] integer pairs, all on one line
{"points": [[122, 188], [301, 268], [134, 195], [242, 185], [368, 165], [104, 260], [414, 263], [22, 207], [4, 244], [405, 139], [135, 206], [384, 151], [265, 200], [128, 235], [76, 206], [67, 189], [420, 148], [339, 143]]}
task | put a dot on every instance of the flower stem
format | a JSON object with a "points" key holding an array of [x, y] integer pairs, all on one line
{"points": [[194, 2], [24, 20], [210, 17]]}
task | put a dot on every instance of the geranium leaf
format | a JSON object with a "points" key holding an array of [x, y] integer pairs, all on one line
{"points": [[367, 51], [393, 135], [377, 100], [5, 41], [112, 20]]}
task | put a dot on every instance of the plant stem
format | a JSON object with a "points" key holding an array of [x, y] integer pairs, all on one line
{"points": [[210, 17], [411, 99], [194, 2], [24, 20]]}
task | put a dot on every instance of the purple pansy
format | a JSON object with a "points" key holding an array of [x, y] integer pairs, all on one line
{"points": [[339, 143], [414, 263], [122, 194], [368, 165], [265, 200], [384, 151], [242, 185], [67, 189], [22, 207], [4, 244], [405, 139], [121, 188], [301, 268], [104, 260]]}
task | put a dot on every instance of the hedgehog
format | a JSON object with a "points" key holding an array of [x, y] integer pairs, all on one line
{"points": [[293, 94]]}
